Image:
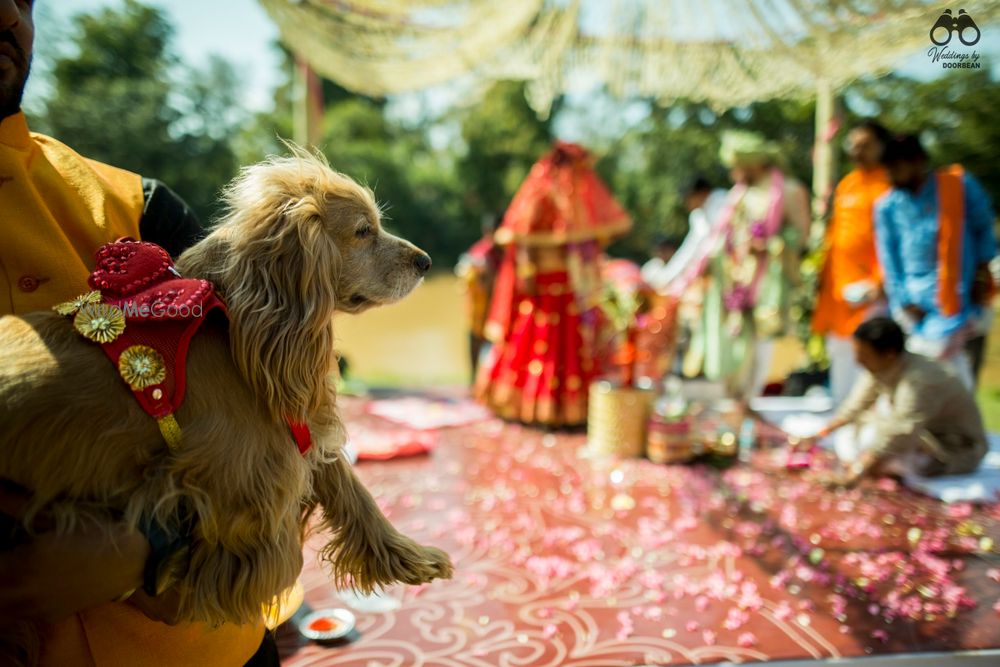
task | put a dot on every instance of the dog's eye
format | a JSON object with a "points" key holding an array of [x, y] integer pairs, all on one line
{"points": [[364, 232]]}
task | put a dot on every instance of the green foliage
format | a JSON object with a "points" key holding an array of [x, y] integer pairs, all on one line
{"points": [[955, 115], [649, 166], [437, 199], [114, 99], [261, 134], [417, 195], [503, 138]]}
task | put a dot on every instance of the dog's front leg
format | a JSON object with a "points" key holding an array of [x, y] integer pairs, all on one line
{"points": [[366, 551]]}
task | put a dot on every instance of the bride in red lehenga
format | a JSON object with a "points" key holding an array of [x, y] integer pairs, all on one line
{"points": [[544, 313]]}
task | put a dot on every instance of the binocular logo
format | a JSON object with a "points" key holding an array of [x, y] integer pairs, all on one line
{"points": [[947, 25]]}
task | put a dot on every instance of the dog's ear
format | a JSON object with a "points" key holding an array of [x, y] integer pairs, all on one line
{"points": [[311, 248], [277, 269], [282, 335]]}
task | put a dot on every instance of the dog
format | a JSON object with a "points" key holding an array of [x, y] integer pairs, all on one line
{"points": [[297, 242]]}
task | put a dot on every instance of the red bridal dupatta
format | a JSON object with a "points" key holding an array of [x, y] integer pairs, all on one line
{"points": [[543, 318]]}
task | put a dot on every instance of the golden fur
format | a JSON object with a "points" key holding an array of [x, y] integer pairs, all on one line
{"points": [[298, 242]]}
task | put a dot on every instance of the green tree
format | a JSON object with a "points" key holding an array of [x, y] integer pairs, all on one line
{"points": [[503, 137], [113, 98], [955, 115], [263, 132], [414, 186], [649, 165]]}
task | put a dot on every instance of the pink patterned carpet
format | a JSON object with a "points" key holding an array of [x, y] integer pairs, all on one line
{"points": [[562, 560]]}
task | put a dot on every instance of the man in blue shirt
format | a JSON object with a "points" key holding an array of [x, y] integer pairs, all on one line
{"points": [[935, 239]]}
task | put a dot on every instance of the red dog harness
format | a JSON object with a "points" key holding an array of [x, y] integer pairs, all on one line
{"points": [[144, 314]]}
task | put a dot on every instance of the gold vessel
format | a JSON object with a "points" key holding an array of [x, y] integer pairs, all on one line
{"points": [[617, 418]]}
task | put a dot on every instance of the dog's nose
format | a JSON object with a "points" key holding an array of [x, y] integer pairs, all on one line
{"points": [[423, 262]]}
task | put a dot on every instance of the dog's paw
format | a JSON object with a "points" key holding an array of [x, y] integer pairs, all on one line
{"points": [[403, 561], [431, 563]]}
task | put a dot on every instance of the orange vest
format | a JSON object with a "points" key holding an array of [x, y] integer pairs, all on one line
{"points": [[851, 255], [58, 208], [951, 217]]}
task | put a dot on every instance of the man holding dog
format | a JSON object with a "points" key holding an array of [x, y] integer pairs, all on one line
{"points": [[58, 208]]}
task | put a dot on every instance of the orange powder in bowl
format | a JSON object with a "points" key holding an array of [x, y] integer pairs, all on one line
{"points": [[323, 625]]}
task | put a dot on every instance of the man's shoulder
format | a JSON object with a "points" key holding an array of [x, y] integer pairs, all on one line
{"points": [[928, 372], [51, 145], [955, 169], [652, 264], [792, 184], [851, 179], [972, 186], [107, 190], [53, 148], [888, 199], [718, 195]]}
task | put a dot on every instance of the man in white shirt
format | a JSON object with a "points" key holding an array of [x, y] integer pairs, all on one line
{"points": [[703, 203], [664, 249]]}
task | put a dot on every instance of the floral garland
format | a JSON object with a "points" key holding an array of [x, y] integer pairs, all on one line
{"points": [[743, 274]]}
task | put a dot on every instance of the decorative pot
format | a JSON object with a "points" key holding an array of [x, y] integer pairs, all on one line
{"points": [[616, 419], [669, 441]]}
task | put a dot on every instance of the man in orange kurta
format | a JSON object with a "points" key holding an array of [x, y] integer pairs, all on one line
{"points": [[851, 281]]}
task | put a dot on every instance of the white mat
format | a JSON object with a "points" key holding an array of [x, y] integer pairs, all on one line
{"points": [[804, 416], [980, 486]]}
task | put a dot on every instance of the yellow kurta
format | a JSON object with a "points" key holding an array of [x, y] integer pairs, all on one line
{"points": [[56, 209]]}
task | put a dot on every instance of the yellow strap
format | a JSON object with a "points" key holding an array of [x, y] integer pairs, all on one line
{"points": [[170, 430]]}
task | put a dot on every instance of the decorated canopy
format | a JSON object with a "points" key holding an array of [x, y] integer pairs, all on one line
{"points": [[724, 52]]}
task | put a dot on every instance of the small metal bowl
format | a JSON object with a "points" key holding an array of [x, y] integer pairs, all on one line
{"points": [[342, 621]]}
